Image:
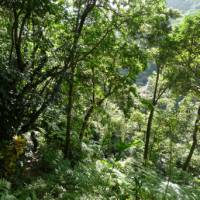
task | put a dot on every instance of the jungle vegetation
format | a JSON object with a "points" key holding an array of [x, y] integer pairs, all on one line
{"points": [[99, 99]]}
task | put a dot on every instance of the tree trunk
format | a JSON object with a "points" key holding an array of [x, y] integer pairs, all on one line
{"points": [[69, 117], [71, 64], [88, 115], [194, 143], [148, 134], [85, 123], [150, 119]]}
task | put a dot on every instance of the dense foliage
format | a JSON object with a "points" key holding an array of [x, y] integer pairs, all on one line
{"points": [[99, 99]]}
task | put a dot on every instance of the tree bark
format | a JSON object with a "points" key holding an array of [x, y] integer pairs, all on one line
{"points": [[71, 64], [89, 111], [148, 134], [151, 115], [88, 115], [69, 117], [194, 143], [85, 122]]}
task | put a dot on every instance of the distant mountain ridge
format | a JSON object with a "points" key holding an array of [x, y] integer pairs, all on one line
{"points": [[186, 6]]}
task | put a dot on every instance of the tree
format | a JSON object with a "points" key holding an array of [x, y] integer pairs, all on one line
{"points": [[121, 27], [27, 71], [158, 43], [184, 62]]}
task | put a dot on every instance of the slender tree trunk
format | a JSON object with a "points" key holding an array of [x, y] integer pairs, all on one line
{"points": [[71, 64], [89, 111], [69, 116], [85, 123], [148, 134], [88, 115], [150, 118], [194, 143]]}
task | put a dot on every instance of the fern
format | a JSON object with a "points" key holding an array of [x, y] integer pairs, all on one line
{"points": [[5, 187]]}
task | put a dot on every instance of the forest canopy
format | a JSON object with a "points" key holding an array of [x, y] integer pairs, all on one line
{"points": [[99, 99]]}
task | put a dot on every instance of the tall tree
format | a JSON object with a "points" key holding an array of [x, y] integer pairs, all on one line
{"points": [[27, 70], [183, 65], [114, 50], [158, 41]]}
